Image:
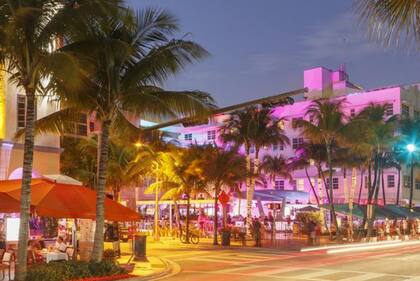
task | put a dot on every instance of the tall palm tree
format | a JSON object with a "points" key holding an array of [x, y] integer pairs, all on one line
{"points": [[126, 57], [378, 136], [30, 53], [222, 168], [391, 21], [328, 127], [253, 127]]}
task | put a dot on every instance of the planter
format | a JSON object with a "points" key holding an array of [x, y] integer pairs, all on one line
{"points": [[226, 237]]}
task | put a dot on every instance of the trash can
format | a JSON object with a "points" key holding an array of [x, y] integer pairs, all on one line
{"points": [[226, 238], [140, 247]]}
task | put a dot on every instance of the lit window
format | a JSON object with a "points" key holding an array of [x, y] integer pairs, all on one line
{"points": [[211, 135], [390, 181], [389, 109], [279, 184], [300, 185], [188, 137], [312, 162]]}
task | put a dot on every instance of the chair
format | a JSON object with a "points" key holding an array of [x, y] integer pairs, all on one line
{"points": [[6, 264], [70, 253], [1, 253]]}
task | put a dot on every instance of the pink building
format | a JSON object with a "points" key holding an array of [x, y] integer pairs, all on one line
{"points": [[323, 82]]}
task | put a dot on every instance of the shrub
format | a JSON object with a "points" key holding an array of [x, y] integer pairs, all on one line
{"points": [[63, 271]]}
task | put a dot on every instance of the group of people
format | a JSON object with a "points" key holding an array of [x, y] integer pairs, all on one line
{"points": [[410, 227]]}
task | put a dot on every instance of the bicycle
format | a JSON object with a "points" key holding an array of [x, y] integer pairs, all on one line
{"points": [[194, 237]]}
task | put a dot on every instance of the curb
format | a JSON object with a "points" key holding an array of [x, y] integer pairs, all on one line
{"points": [[171, 269]]}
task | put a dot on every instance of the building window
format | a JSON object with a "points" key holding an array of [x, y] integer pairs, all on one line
{"points": [[275, 146], [334, 184], [293, 184], [279, 184], [352, 112], [252, 149], [211, 135], [82, 126], [297, 142], [188, 137], [405, 111], [389, 109], [300, 185], [366, 182], [21, 111], [390, 181], [417, 184], [407, 181], [91, 126]]}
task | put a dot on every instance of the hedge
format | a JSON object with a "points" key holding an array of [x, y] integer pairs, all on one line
{"points": [[72, 270]]}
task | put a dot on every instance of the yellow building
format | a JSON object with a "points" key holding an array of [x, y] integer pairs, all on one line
{"points": [[12, 117]]}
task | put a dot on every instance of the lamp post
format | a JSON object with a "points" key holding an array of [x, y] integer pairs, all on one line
{"points": [[411, 148]]}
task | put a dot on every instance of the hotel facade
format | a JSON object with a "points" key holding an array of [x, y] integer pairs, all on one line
{"points": [[322, 83]]}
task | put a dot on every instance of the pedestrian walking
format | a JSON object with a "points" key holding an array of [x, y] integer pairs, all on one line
{"points": [[256, 230]]}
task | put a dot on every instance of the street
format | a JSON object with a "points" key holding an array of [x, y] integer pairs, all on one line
{"points": [[204, 263]]}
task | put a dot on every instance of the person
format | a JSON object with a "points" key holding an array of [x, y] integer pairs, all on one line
{"points": [[2, 235], [318, 233], [256, 230], [311, 232], [60, 245], [202, 221]]}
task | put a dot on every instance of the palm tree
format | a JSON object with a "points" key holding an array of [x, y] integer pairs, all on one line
{"points": [[125, 58], [377, 133], [222, 168], [253, 127], [275, 166], [30, 53], [328, 127], [391, 21]]}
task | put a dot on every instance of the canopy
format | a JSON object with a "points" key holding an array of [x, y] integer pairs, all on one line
{"points": [[59, 200], [381, 212], [344, 209], [308, 209]]}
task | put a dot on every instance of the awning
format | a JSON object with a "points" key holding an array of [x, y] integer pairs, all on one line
{"points": [[277, 195]]}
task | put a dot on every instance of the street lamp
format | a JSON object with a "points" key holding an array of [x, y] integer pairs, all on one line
{"points": [[411, 148]]}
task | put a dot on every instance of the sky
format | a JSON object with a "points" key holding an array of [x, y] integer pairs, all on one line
{"points": [[260, 48]]}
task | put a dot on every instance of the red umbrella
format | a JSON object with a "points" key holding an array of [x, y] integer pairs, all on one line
{"points": [[59, 200]]}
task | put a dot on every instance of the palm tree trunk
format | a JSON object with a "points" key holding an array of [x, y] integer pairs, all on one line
{"points": [[312, 186], [410, 202], [362, 172], [383, 187], [254, 173], [321, 173], [398, 187], [330, 187], [25, 201], [215, 221], [98, 243], [187, 221], [249, 193], [177, 216]]}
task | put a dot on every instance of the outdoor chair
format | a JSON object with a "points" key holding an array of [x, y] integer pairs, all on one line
{"points": [[1, 253], [6, 264], [70, 253]]}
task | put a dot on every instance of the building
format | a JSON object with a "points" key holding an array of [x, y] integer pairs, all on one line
{"points": [[321, 83], [12, 118]]}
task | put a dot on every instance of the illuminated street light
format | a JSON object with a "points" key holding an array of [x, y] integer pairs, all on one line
{"points": [[138, 144], [411, 147]]}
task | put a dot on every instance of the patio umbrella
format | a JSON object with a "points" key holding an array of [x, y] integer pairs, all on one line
{"points": [[308, 209], [52, 199]]}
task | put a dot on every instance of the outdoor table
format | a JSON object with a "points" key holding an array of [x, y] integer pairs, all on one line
{"points": [[55, 256]]}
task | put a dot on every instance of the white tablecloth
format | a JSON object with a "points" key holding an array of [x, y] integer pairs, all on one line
{"points": [[55, 256]]}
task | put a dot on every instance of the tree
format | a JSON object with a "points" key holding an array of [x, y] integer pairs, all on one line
{"points": [[391, 21], [30, 53], [275, 166], [377, 136], [125, 58], [253, 127], [222, 168], [327, 127]]}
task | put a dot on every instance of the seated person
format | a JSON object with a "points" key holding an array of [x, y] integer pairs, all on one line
{"points": [[60, 245], [34, 252]]}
